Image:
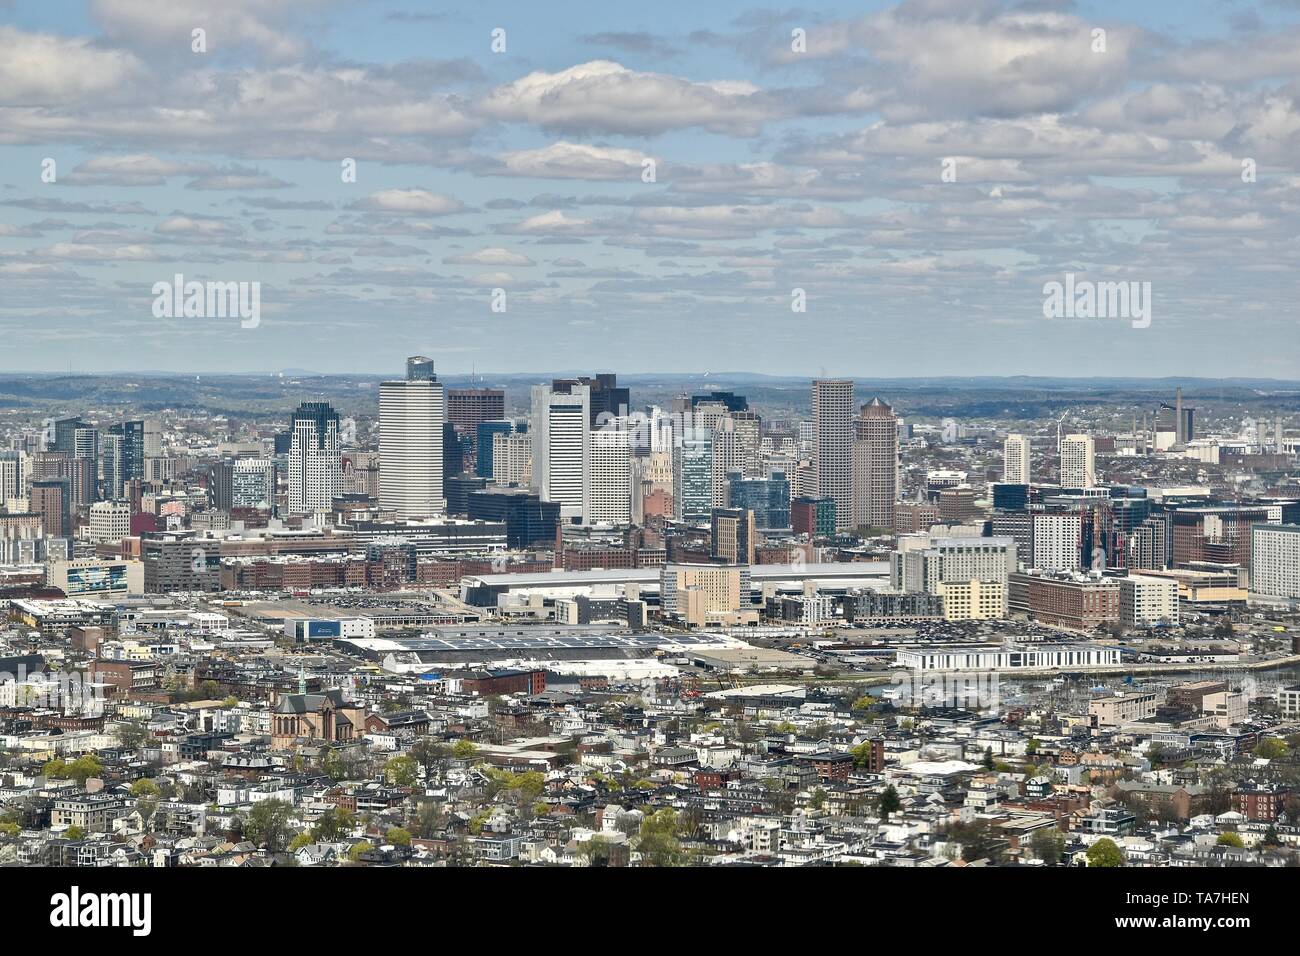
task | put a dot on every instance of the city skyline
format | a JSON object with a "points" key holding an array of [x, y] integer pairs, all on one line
{"points": [[587, 436]]}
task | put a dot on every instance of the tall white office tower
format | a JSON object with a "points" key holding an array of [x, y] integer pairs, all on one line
{"points": [[832, 445], [86, 443], [15, 468], [611, 476], [561, 430], [411, 416], [1078, 462], [315, 458], [875, 465], [1015, 460]]}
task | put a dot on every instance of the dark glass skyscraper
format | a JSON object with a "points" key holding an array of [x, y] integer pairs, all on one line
{"points": [[483, 445], [768, 498], [606, 397], [132, 448]]}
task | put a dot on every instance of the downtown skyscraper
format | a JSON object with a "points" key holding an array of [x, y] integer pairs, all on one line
{"points": [[1015, 460], [875, 465], [411, 417], [561, 431], [832, 445], [1078, 462], [315, 458]]}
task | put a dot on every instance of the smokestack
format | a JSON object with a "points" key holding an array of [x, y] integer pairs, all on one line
{"points": [[1179, 437]]}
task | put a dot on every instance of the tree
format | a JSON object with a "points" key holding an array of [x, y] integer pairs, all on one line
{"points": [[398, 836], [1218, 798], [333, 823], [359, 848], [1105, 853], [1230, 839], [428, 819], [131, 735], [144, 788], [1048, 844], [657, 841], [80, 770], [338, 763], [595, 851], [430, 755], [528, 785], [85, 767], [464, 750], [74, 832], [301, 840], [988, 758], [865, 702], [146, 807], [889, 803], [862, 754], [400, 771], [1271, 748], [268, 824]]}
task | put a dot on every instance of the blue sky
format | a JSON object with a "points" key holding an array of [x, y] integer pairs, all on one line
{"points": [[775, 170]]}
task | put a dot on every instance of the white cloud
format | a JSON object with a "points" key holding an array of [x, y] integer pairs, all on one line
{"points": [[231, 24], [575, 161], [493, 256], [552, 223], [411, 202], [608, 97], [39, 69]]}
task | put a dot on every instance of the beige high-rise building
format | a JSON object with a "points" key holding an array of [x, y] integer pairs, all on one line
{"points": [[733, 535], [875, 465], [973, 600], [411, 416], [728, 456], [700, 592], [1078, 462], [1015, 460], [610, 499], [512, 459], [832, 445]]}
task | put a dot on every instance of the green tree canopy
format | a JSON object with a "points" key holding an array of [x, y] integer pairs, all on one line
{"points": [[268, 824], [1105, 853], [657, 841], [464, 750], [401, 771]]}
